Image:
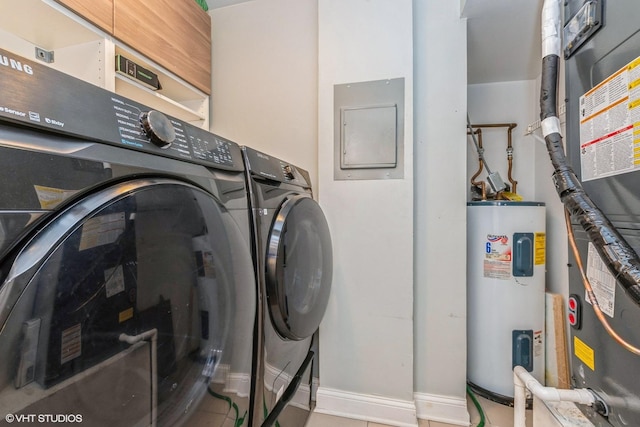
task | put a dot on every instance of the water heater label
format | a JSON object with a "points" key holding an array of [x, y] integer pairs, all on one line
{"points": [[602, 282], [610, 125], [497, 260], [540, 248], [538, 344]]}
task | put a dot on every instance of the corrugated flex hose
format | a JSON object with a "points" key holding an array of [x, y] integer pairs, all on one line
{"points": [[620, 259]]}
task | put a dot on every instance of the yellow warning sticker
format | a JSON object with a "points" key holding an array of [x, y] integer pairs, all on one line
{"points": [[540, 248], [584, 353], [125, 315], [50, 197]]}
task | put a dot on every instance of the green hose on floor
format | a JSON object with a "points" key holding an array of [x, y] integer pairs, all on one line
{"points": [[238, 420], [477, 405]]}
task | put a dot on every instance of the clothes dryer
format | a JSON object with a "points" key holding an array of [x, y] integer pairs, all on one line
{"points": [[127, 292], [294, 264]]}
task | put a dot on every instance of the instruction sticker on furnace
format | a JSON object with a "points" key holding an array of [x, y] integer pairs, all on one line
{"points": [[610, 125], [497, 259], [602, 282]]}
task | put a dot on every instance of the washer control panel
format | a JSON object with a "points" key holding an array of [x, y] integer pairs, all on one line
{"points": [[43, 98]]}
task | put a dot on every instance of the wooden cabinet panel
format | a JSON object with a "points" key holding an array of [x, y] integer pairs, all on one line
{"points": [[99, 12], [174, 33]]}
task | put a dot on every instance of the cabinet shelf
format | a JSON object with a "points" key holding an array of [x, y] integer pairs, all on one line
{"points": [[88, 53], [130, 89]]}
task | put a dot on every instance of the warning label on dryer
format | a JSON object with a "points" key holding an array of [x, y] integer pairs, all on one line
{"points": [[610, 125]]}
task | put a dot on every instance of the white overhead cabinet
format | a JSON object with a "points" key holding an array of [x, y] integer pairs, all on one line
{"points": [[168, 39]]}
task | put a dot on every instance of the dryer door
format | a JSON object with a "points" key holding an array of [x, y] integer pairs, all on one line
{"points": [[120, 310], [299, 268]]}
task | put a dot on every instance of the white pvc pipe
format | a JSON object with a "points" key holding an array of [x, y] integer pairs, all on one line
{"points": [[523, 380]]}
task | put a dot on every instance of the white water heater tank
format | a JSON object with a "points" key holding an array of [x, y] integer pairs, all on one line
{"points": [[505, 294]]}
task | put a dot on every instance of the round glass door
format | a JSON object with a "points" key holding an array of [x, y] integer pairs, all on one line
{"points": [[121, 309], [299, 268]]}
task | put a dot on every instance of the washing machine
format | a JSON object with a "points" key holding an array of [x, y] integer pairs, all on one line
{"points": [[293, 259], [127, 291]]}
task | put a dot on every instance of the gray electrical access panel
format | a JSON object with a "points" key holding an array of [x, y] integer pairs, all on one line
{"points": [[369, 130]]}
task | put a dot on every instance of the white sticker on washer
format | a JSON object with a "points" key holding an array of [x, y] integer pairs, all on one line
{"points": [[71, 343], [102, 230], [602, 282], [114, 281]]}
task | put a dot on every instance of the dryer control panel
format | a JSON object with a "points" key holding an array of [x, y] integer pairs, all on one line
{"points": [[76, 108], [274, 169]]}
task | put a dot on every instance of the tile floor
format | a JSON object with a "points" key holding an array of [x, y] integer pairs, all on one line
{"points": [[496, 415], [214, 411], [322, 420]]}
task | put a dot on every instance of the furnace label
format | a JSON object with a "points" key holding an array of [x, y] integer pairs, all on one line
{"points": [[584, 353], [602, 282], [610, 125]]}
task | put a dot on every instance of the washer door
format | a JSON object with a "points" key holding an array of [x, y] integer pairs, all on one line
{"points": [[299, 268], [120, 310]]}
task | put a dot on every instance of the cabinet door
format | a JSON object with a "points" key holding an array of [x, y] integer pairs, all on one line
{"points": [[99, 12], [174, 33]]}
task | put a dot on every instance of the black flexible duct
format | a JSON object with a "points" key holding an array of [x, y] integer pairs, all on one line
{"points": [[621, 260]]}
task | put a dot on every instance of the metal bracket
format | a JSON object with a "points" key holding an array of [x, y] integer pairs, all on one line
{"points": [[44, 55], [581, 26]]}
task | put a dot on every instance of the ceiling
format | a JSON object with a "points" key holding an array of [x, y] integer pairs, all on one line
{"points": [[503, 38]]}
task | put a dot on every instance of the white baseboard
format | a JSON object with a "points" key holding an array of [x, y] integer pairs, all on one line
{"points": [[394, 412], [236, 383], [444, 409], [276, 380]]}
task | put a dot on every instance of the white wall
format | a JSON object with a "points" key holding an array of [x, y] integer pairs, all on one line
{"points": [[366, 338], [264, 78], [440, 39]]}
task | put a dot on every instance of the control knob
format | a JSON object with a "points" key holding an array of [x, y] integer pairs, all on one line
{"points": [[158, 128], [288, 172]]}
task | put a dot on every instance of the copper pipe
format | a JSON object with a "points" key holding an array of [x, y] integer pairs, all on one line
{"points": [[592, 297], [513, 182], [509, 126], [480, 184]]}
